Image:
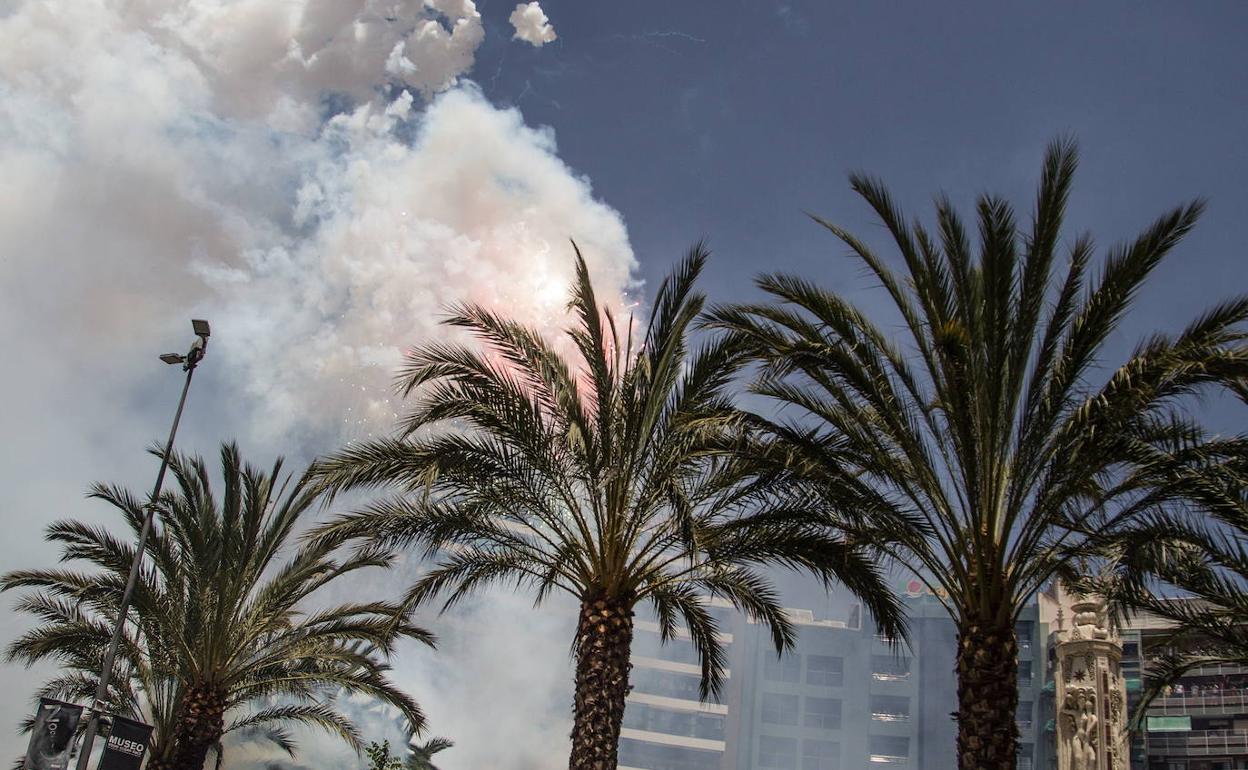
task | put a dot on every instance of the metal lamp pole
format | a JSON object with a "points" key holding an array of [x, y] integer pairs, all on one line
{"points": [[189, 362]]}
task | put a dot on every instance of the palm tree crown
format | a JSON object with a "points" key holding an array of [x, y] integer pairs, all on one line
{"points": [[223, 622], [987, 428], [604, 475], [421, 757]]}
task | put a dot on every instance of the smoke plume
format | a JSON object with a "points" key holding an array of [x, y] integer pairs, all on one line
{"points": [[531, 24], [319, 179]]}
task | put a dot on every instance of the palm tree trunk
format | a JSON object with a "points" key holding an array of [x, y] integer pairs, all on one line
{"points": [[987, 668], [603, 638], [200, 725]]}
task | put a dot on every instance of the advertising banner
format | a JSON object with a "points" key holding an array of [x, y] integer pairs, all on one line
{"points": [[126, 745], [52, 736]]}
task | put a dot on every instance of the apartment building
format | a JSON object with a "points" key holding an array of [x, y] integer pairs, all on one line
{"points": [[666, 725], [844, 698], [1201, 722]]}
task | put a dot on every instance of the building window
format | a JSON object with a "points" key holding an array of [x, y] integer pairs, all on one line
{"points": [[634, 716], [709, 726], [1023, 715], [678, 650], [671, 722], [821, 755], [777, 753], [643, 754], [890, 708], [1024, 673], [779, 709], [890, 668], [889, 749], [825, 670], [1023, 629], [786, 668], [639, 716], [669, 684], [824, 713], [643, 717]]}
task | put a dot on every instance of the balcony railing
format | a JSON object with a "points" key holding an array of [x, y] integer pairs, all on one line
{"points": [[1219, 669], [1214, 669], [1178, 705], [1199, 742], [883, 716]]}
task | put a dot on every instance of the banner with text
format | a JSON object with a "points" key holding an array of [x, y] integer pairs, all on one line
{"points": [[127, 743], [52, 735]]}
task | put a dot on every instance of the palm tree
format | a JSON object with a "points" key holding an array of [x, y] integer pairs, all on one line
{"points": [[224, 622], [986, 424], [601, 474], [1188, 571], [422, 753]]}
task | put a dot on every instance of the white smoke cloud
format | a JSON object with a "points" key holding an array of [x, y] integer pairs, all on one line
{"points": [[267, 166], [514, 713], [475, 206], [519, 714], [432, 57], [531, 24], [247, 57]]}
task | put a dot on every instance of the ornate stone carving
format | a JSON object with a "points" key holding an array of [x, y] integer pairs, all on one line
{"points": [[1089, 619], [1118, 727], [1082, 729], [1090, 690]]}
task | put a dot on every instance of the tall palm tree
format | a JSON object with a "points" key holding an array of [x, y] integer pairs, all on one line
{"points": [[602, 474], [1188, 571], [228, 619], [991, 420]]}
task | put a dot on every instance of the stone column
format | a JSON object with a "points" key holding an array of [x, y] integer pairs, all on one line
{"points": [[1091, 695]]}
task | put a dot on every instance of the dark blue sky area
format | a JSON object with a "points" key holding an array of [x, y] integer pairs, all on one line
{"points": [[728, 119]]}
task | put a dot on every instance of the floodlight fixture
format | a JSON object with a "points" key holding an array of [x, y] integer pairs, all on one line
{"points": [[172, 358], [201, 328]]}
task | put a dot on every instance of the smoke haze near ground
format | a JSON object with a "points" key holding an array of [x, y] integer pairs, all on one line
{"points": [[319, 179]]}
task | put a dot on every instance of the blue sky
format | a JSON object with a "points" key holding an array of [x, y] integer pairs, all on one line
{"points": [[727, 120]]}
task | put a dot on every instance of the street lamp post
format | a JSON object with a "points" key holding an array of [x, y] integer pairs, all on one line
{"points": [[189, 362]]}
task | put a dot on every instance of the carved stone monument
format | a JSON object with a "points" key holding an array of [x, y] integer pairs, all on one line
{"points": [[1090, 692]]}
